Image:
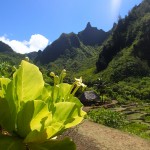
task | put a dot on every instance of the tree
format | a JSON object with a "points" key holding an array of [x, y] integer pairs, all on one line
{"points": [[101, 87]]}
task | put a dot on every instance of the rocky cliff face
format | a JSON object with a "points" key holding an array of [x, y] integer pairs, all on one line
{"points": [[92, 36]]}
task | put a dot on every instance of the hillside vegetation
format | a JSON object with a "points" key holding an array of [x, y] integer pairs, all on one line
{"points": [[74, 52], [7, 54], [126, 53]]}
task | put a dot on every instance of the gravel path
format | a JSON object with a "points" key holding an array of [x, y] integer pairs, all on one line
{"points": [[92, 136]]}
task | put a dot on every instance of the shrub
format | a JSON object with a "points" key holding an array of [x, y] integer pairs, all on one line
{"points": [[107, 117]]}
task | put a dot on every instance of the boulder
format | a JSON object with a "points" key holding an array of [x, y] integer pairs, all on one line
{"points": [[89, 98]]}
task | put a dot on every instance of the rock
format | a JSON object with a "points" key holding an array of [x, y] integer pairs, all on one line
{"points": [[90, 98]]}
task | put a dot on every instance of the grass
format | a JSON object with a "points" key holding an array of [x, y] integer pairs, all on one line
{"points": [[138, 129]]}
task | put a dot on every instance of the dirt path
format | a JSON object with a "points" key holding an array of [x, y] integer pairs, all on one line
{"points": [[92, 136]]}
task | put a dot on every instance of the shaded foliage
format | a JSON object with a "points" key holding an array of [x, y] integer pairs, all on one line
{"points": [[5, 48], [133, 30]]}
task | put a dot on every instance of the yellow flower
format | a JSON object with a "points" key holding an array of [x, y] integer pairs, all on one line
{"points": [[79, 82]]}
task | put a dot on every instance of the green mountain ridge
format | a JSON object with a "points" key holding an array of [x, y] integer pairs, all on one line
{"points": [[66, 44]]}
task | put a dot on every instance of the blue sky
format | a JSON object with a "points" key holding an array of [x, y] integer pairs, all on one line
{"points": [[29, 25]]}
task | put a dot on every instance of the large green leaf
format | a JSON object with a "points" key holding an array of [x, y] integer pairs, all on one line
{"points": [[64, 115], [28, 82], [12, 102], [60, 92], [5, 116], [11, 143], [76, 101], [65, 144], [44, 134], [64, 90], [46, 93], [34, 115], [41, 120], [3, 84], [68, 114], [6, 120]]}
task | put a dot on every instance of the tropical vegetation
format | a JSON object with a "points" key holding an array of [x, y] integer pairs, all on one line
{"points": [[33, 114]]}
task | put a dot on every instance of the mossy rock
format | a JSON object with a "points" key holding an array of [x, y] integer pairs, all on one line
{"points": [[118, 109], [128, 112], [134, 116], [138, 121]]}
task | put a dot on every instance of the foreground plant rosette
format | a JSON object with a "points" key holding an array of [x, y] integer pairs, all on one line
{"points": [[33, 112]]}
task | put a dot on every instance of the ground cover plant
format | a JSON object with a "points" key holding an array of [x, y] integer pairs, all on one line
{"points": [[33, 113], [139, 129], [107, 117]]}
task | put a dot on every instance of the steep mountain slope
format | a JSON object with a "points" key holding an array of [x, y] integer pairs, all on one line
{"points": [[58, 47], [127, 51], [67, 45], [5, 48]]}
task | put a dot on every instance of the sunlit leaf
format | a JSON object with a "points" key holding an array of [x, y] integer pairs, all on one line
{"points": [[46, 93], [28, 82], [64, 89], [60, 92], [67, 113], [44, 134], [3, 84], [34, 115]]}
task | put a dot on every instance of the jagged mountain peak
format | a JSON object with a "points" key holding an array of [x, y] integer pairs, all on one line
{"points": [[92, 36], [88, 25]]}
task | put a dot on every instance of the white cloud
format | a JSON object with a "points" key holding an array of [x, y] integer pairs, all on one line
{"points": [[115, 8], [36, 42]]}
